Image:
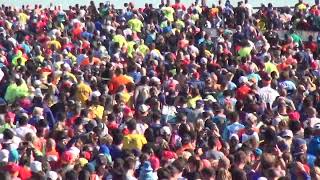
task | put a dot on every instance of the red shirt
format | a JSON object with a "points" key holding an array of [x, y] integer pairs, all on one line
{"points": [[24, 173], [312, 46]]}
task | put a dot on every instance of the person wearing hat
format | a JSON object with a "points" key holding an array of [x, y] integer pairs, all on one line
{"points": [[143, 119], [244, 88]]}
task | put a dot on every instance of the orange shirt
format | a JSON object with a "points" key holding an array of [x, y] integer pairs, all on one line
{"points": [[117, 81], [185, 147]]}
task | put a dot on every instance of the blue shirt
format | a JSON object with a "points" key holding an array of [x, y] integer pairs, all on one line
{"points": [[314, 146], [231, 129], [288, 85]]}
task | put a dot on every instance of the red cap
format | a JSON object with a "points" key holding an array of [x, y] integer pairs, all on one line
{"points": [[87, 155], [196, 75], [127, 111], [155, 163], [166, 155], [67, 157], [294, 116], [314, 65]]}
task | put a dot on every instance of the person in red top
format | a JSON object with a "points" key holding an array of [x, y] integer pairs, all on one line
{"points": [[178, 5], [310, 44], [243, 89]]}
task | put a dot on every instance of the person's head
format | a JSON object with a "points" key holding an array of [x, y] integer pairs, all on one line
{"points": [[84, 174], [72, 175], [224, 174], [179, 164], [233, 117], [267, 161], [130, 163], [238, 174], [208, 173], [117, 138], [212, 142], [240, 158], [132, 125]]}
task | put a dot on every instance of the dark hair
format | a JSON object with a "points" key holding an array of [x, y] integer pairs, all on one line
{"points": [[238, 174], [23, 120], [212, 142], [149, 134], [8, 134], [240, 157], [84, 175], [117, 138], [132, 124], [71, 175], [163, 173], [208, 172], [61, 116], [179, 164]]}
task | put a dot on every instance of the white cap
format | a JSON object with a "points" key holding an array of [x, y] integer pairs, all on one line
{"points": [[204, 60], [143, 108], [243, 79], [165, 130], [155, 79], [75, 151], [52, 175], [36, 166]]}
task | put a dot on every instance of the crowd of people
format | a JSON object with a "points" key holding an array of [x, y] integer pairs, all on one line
{"points": [[98, 93]]}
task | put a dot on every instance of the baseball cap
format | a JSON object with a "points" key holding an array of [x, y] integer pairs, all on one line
{"points": [[52, 175], [286, 133], [36, 166], [143, 108], [294, 116]]}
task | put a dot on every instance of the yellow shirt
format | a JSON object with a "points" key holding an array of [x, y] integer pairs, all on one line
{"points": [[23, 18], [270, 67], [55, 43], [168, 13], [96, 111], [134, 141], [83, 92], [119, 39], [130, 49], [192, 101], [135, 25], [143, 49]]}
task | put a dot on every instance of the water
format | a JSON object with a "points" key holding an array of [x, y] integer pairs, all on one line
{"points": [[139, 3]]}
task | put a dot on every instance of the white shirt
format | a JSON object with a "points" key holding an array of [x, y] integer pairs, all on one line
{"points": [[23, 130], [268, 94]]}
